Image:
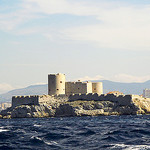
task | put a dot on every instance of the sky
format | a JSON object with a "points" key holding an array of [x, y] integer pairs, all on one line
{"points": [[85, 39]]}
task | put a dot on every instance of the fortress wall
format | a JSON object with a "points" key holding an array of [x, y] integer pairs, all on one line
{"points": [[93, 96], [24, 100], [45, 99], [36, 100], [83, 88], [78, 87], [124, 100], [109, 97], [121, 99]]}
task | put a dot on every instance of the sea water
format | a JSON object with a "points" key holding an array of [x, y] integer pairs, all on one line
{"points": [[69, 133]]}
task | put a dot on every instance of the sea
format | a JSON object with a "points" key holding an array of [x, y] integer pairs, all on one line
{"points": [[75, 133]]}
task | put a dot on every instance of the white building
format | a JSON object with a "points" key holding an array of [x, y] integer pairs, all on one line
{"points": [[146, 93]]}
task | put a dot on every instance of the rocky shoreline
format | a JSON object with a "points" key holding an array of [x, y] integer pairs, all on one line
{"points": [[78, 108]]}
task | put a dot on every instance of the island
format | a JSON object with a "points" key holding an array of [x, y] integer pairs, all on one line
{"points": [[68, 99]]}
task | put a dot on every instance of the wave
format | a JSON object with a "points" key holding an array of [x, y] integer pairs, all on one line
{"points": [[37, 125], [103, 132], [3, 130], [131, 147]]}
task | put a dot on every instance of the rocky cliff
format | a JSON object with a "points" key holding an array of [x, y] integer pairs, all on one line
{"points": [[79, 108]]}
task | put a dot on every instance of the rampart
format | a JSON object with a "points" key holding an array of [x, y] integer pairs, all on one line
{"points": [[24, 100], [120, 99], [43, 99], [36, 99]]}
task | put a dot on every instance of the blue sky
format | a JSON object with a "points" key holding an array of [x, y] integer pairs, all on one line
{"points": [[85, 39]]}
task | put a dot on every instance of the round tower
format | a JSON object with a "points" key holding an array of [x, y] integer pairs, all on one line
{"points": [[97, 87], [56, 84]]}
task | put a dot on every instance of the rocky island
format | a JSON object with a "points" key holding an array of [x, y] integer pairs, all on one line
{"points": [[109, 105], [75, 99]]}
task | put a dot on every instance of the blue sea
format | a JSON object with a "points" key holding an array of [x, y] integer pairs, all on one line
{"points": [[69, 133]]}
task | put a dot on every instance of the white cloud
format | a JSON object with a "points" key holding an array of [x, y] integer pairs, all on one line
{"points": [[120, 28], [130, 78], [63, 7], [22, 13], [87, 78], [121, 25], [40, 83], [126, 78]]}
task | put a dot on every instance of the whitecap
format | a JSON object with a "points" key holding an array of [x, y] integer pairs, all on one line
{"points": [[3, 130], [37, 125], [51, 143], [35, 137], [131, 147]]}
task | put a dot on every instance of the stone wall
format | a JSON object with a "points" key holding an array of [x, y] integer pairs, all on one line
{"points": [[25, 100], [37, 99], [121, 99], [78, 87], [45, 99]]}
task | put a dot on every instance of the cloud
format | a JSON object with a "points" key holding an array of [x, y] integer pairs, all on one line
{"points": [[87, 78], [21, 14], [4, 87], [118, 25], [40, 83], [122, 26], [126, 78], [129, 78], [79, 8]]}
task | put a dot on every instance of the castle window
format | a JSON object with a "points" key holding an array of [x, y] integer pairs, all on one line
{"points": [[60, 81], [94, 88], [57, 89]]}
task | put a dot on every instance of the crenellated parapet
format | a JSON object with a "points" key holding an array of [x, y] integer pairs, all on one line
{"points": [[121, 99], [32, 100], [24, 100]]}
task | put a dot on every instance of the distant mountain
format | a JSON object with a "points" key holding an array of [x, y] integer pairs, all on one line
{"points": [[126, 88], [30, 90]]}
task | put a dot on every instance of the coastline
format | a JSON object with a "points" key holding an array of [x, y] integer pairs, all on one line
{"points": [[79, 108]]}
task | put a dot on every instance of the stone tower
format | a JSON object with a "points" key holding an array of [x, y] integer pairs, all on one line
{"points": [[97, 87], [56, 84]]}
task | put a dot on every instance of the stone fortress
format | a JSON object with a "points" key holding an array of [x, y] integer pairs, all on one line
{"points": [[60, 90], [66, 99], [57, 85]]}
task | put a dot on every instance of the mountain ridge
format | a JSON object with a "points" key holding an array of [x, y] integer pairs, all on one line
{"points": [[126, 88]]}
